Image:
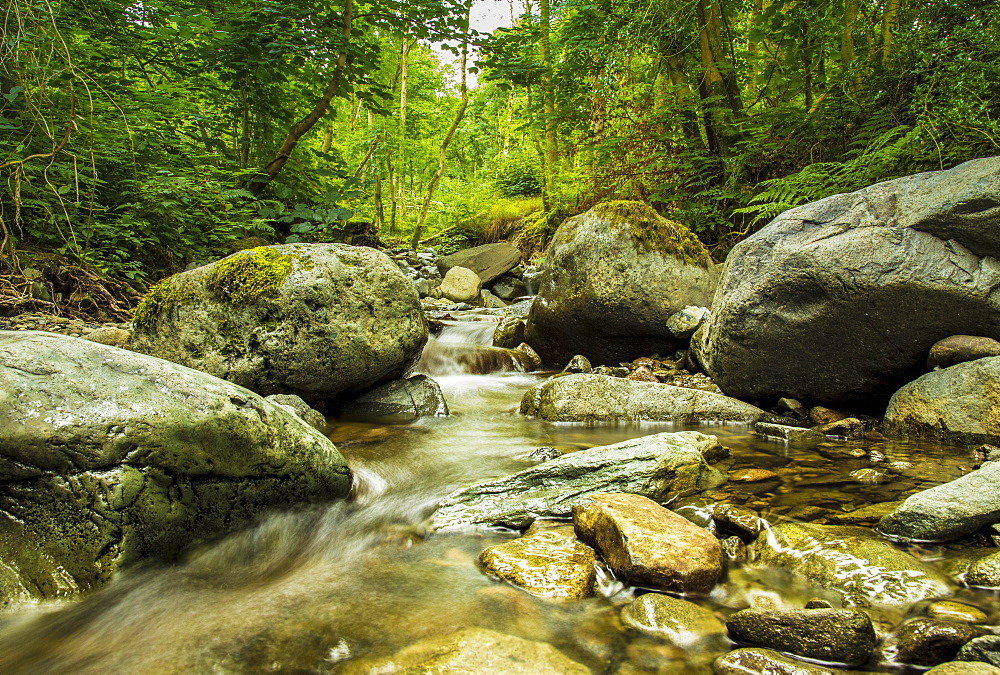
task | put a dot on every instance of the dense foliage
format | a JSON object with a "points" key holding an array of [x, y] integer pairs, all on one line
{"points": [[140, 137]]}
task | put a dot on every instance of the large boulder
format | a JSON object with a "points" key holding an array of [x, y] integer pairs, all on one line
{"points": [[961, 402], [660, 466], [489, 261], [612, 278], [590, 397], [313, 320], [108, 456], [947, 511], [840, 300]]}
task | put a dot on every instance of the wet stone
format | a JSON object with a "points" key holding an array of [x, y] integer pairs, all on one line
{"points": [[964, 668], [548, 562], [829, 635], [649, 545], [578, 364], [734, 549], [678, 622], [820, 415], [787, 433], [752, 475], [927, 642], [985, 571], [755, 661], [741, 521], [985, 649], [948, 610], [849, 427]]}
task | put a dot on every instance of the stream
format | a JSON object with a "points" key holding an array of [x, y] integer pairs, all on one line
{"points": [[321, 589]]}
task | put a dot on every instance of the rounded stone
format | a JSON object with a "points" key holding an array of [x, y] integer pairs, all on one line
{"points": [[830, 635], [462, 285], [927, 642], [949, 610], [679, 622]]}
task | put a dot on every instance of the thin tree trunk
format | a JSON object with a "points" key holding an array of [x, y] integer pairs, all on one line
{"points": [[404, 68], [274, 167], [327, 139], [548, 100], [368, 156], [393, 206], [890, 18], [443, 152]]}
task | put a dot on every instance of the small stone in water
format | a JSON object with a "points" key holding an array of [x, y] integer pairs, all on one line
{"points": [[872, 476], [927, 642], [752, 475], [741, 521], [955, 611], [734, 549], [545, 453]]}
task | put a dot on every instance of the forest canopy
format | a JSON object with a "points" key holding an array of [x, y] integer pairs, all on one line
{"points": [[139, 137]]}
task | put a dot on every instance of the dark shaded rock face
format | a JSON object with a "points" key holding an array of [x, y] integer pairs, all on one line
{"points": [[108, 456], [612, 278], [839, 301], [312, 320]]}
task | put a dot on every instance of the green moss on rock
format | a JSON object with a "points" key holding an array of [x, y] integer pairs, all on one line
{"points": [[654, 233], [160, 298], [250, 274]]}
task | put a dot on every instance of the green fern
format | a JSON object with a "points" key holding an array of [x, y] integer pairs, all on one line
{"points": [[873, 158]]}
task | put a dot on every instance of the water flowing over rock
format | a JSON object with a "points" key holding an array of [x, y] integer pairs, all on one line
{"points": [[612, 278], [829, 635], [548, 562], [399, 401], [108, 456], [839, 301], [657, 466], [947, 511], [959, 402], [601, 398], [678, 622], [649, 545], [866, 569], [475, 650], [313, 320], [754, 660]]}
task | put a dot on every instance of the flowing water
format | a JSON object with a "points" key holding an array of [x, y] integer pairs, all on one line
{"points": [[322, 589]]}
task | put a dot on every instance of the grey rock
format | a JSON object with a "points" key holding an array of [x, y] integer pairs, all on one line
{"points": [[313, 320], [657, 466], [863, 567], [399, 401], [786, 433], [678, 622], [766, 662], [947, 511], [612, 278], [491, 301], [684, 323], [113, 337], [488, 261], [840, 300], [508, 287], [985, 649], [303, 410], [108, 456], [927, 642], [531, 277], [461, 285], [959, 403], [959, 349], [985, 571], [600, 398], [830, 635]]}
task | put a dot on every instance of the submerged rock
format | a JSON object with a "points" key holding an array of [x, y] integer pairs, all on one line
{"points": [[949, 610], [960, 402], [549, 562], [649, 545], [313, 320], [678, 622], [839, 300], [926, 642], [613, 276], [474, 650], [766, 661], [866, 569], [947, 511], [829, 635], [108, 456], [399, 401], [600, 398], [658, 466]]}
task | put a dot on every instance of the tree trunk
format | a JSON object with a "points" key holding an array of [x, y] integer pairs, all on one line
{"points": [[400, 201], [890, 18], [443, 152], [548, 99], [274, 167]]}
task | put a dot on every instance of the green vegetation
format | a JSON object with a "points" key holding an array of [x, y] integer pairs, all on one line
{"points": [[138, 138], [158, 301], [653, 232], [250, 274]]}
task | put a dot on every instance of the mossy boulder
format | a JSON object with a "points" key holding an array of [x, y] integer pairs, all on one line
{"points": [[313, 320], [108, 457], [612, 278]]}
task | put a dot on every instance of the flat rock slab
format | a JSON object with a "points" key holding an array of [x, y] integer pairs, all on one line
{"points": [[488, 261], [829, 635], [865, 568], [474, 650], [548, 562], [649, 545], [108, 456], [601, 398], [947, 511], [678, 622], [658, 466]]}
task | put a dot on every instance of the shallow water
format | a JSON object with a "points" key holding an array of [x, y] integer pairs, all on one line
{"points": [[316, 590]]}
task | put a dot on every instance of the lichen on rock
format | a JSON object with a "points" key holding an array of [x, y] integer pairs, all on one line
{"points": [[250, 274]]}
